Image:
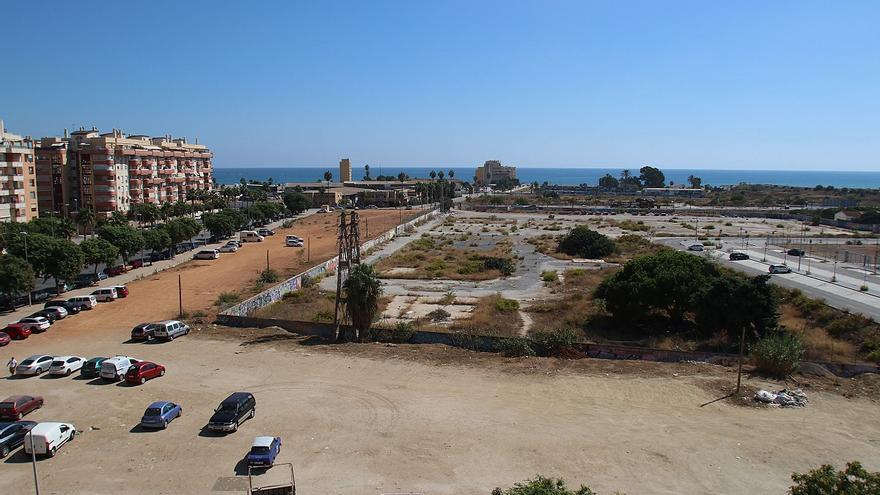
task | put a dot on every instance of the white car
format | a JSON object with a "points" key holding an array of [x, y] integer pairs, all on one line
{"points": [[58, 310], [293, 241], [48, 438], [207, 254], [36, 323], [65, 365], [114, 368], [34, 365], [229, 248]]}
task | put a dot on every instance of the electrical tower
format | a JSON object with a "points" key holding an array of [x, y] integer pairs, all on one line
{"points": [[349, 245]]}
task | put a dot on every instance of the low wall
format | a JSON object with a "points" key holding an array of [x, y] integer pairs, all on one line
{"points": [[276, 292]]}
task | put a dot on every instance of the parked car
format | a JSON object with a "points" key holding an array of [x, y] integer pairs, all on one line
{"points": [[233, 411], [17, 331], [4, 339], [48, 438], [121, 291], [233, 242], [114, 368], [160, 413], [293, 241], [796, 252], [263, 452], [58, 310], [250, 236], [207, 254], [90, 279], [92, 367], [228, 248], [70, 307], [65, 365], [142, 331], [779, 269], [84, 302], [138, 263], [16, 407], [113, 271], [34, 365], [169, 329], [159, 256], [12, 435], [36, 324], [142, 371], [265, 232], [738, 256], [45, 313], [106, 294]]}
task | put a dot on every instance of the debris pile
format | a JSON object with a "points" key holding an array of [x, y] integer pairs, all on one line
{"points": [[783, 398]]}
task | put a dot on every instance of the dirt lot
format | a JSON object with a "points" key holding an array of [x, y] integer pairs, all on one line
{"points": [[372, 419]]}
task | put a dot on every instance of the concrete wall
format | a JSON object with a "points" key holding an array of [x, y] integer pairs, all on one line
{"points": [[276, 293]]}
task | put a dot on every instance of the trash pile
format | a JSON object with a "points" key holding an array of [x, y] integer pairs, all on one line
{"points": [[783, 398]]}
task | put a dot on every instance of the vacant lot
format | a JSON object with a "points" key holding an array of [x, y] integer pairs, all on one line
{"points": [[465, 257], [361, 419]]}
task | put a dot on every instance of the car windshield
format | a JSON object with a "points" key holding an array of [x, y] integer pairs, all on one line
{"points": [[227, 408], [57, 363], [7, 405], [27, 362], [153, 411], [259, 450]]}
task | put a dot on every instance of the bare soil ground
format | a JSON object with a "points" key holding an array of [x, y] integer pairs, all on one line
{"points": [[375, 419]]}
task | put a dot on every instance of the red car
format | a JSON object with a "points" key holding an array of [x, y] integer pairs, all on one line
{"points": [[113, 271], [15, 407], [121, 291], [4, 339], [17, 331], [143, 371]]}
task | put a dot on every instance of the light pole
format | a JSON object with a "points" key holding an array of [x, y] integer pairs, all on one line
{"points": [[34, 464]]}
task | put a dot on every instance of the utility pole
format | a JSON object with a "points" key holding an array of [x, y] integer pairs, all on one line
{"points": [[742, 348], [179, 296], [308, 248], [34, 464], [267, 260], [766, 243], [834, 276]]}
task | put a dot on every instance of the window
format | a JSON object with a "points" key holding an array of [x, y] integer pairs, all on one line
{"points": [[33, 183], [33, 195], [31, 170]]}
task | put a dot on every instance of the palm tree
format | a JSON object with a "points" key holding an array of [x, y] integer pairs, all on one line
{"points": [[366, 172], [440, 174], [433, 175], [86, 219], [362, 291], [401, 177], [451, 173], [328, 176]]}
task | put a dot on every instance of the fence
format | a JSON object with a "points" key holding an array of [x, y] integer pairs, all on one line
{"points": [[276, 292]]}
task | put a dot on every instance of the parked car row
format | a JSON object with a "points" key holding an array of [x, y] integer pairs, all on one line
{"points": [[55, 310]]}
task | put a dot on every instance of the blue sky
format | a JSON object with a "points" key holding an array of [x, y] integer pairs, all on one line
{"points": [[749, 85]]}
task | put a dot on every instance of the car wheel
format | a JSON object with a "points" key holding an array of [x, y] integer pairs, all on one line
{"points": [[165, 424], [180, 412], [72, 435], [68, 373], [253, 412], [143, 380], [235, 427], [39, 371], [52, 452], [19, 416], [161, 372], [4, 451]]}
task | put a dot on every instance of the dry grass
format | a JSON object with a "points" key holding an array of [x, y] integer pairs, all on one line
{"points": [[489, 319], [572, 302], [436, 258], [818, 344], [307, 304]]}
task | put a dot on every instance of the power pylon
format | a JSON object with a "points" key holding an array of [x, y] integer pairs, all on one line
{"points": [[349, 246]]}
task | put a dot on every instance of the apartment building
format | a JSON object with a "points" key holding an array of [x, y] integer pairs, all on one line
{"points": [[111, 171], [492, 171], [344, 170], [18, 186]]}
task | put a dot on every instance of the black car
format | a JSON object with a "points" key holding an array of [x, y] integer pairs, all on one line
{"points": [[738, 256], [52, 316], [72, 308], [233, 411], [796, 252], [143, 331], [12, 435]]}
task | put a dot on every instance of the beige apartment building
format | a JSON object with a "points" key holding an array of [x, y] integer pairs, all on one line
{"points": [[18, 186], [344, 170], [492, 171], [111, 171]]}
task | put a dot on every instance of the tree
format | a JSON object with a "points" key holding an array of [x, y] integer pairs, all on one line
{"points": [[362, 291], [441, 174], [366, 172], [854, 480], [401, 177], [86, 219], [451, 173], [97, 251], [506, 183], [182, 229], [734, 303], [297, 202], [651, 177], [585, 243], [146, 213], [433, 175], [328, 176], [157, 239], [65, 261], [118, 218], [126, 238], [695, 182], [36, 249], [166, 210], [608, 181], [542, 486], [16, 276]]}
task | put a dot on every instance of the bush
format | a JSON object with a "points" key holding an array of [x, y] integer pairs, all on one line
{"points": [[402, 332], [268, 276], [854, 480], [550, 276], [504, 265], [586, 243], [542, 486], [438, 314], [552, 343], [505, 305], [778, 354], [516, 347], [323, 316], [226, 299]]}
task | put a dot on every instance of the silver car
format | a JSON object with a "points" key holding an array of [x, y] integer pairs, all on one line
{"points": [[169, 329], [35, 365]]}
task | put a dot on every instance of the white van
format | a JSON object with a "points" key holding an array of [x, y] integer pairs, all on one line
{"points": [[250, 236], [87, 302], [169, 329], [106, 294], [47, 438], [114, 368]]}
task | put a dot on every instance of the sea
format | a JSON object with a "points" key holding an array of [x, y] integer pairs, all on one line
{"points": [[568, 176]]}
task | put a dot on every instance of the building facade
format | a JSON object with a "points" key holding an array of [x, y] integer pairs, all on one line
{"points": [[109, 172], [344, 170], [492, 171], [18, 184]]}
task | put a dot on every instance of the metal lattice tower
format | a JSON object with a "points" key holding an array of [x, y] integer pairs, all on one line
{"points": [[349, 246]]}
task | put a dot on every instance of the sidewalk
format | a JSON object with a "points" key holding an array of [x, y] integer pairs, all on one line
{"points": [[131, 275]]}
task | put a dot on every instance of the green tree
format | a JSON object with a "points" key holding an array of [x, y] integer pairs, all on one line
{"points": [[608, 181], [732, 302], [97, 251], [297, 202], [328, 176], [826, 480], [651, 177], [147, 213], [127, 239], [157, 239], [451, 173], [542, 486], [362, 291], [16, 276], [182, 229], [695, 182], [86, 220], [64, 263], [117, 218], [586, 243], [401, 177], [366, 172], [35, 248]]}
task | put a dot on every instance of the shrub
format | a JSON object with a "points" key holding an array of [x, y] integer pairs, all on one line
{"points": [[323, 316], [268, 276], [504, 265], [505, 305], [542, 486], [226, 299], [551, 343], [402, 332], [516, 347], [448, 298], [306, 281], [549, 276], [854, 480], [438, 314], [586, 243], [778, 354]]}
